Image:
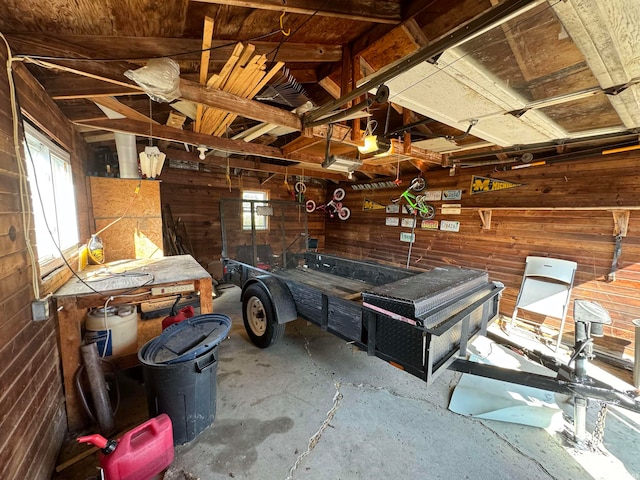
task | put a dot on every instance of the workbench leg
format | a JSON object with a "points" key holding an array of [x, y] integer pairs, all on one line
{"points": [[206, 295], [69, 328]]}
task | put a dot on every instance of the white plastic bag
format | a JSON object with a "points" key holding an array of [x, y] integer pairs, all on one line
{"points": [[160, 79]]}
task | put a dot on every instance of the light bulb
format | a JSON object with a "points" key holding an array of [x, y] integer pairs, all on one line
{"points": [[203, 150]]}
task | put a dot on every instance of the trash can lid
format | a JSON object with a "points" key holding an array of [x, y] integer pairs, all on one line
{"points": [[186, 340]]}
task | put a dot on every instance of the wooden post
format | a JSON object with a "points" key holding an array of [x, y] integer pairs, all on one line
{"points": [[69, 321], [205, 288]]}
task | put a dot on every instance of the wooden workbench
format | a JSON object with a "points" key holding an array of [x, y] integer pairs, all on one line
{"points": [[133, 278]]}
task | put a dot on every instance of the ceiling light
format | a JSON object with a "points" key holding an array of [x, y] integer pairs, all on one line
{"points": [[151, 161], [370, 144], [341, 164], [203, 150]]}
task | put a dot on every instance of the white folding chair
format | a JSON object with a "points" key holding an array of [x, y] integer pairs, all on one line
{"points": [[546, 289]]}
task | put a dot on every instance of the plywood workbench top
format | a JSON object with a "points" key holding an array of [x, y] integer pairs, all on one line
{"points": [[131, 274]]}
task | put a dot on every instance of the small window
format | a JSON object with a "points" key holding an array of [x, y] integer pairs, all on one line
{"points": [[52, 198], [249, 209]]}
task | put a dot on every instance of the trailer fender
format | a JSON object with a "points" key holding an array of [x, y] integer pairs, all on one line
{"points": [[280, 296]]}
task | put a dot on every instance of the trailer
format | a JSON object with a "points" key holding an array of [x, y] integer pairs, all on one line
{"points": [[418, 321]]}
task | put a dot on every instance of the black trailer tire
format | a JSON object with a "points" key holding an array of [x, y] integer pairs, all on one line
{"points": [[259, 317]]}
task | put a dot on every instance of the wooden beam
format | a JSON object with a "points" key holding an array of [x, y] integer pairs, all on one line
{"points": [[371, 11], [330, 86], [190, 91], [113, 72], [73, 87], [346, 77], [163, 132], [118, 107], [255, 164], [300, 143], [240, 106], [207, 36], [187, 48]]}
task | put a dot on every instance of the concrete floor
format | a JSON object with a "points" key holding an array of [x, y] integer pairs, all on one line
{"points": [[312, 407]]}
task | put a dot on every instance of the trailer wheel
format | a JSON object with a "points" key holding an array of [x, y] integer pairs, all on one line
{"points": [[259, 317]]}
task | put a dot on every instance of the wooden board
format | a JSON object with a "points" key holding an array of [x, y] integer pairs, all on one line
{"points": [[120, 276], [139, 233]]}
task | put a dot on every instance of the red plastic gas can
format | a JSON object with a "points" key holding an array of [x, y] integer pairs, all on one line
{"points": [[183, 314], [141, 453]]}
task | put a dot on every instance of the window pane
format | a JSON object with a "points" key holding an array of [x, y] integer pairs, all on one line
{"points": [[52, 196], [41, 185], [261, 222], [65, 203]]}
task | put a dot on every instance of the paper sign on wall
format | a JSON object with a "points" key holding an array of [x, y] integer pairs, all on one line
{"points": [[407, 237], [392, 221], [449, 226]]}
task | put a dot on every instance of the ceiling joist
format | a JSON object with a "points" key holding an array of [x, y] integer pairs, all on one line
{"points": [[181, 48], [372, 11]]}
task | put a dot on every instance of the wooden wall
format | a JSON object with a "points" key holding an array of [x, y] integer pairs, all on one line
{"points": [[194, 198], [584, 236], [32, 414]]}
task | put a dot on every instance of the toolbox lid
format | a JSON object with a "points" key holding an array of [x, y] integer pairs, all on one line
{"points": [[417, 295], [186, 340]]}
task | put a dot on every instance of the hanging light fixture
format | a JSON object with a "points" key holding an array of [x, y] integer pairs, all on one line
{"points": [[152, 159], [370, 140]]}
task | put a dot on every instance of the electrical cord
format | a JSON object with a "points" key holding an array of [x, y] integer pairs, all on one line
{"points": [[24, 198]]}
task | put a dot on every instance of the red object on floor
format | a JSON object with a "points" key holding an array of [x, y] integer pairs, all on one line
{"points": [[140, 454], [183, 314]]}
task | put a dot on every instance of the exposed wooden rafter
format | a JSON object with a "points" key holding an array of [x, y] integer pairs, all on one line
{"points": [[186, 48], [373, 11], [162, 132]]}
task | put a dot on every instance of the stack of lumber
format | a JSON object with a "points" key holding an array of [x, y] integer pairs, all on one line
{"points": [[244, 75]]}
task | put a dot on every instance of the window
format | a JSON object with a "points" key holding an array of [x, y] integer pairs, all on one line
{"points": [[249, 209], [52, 198]]}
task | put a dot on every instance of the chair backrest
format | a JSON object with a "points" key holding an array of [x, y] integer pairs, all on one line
{"points": [[553, 268]]}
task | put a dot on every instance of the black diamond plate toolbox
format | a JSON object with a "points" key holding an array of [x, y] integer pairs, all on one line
{"points": [[414, 297]]}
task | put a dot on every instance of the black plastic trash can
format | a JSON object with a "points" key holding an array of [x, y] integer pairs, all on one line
{"points": [[180, 368]]}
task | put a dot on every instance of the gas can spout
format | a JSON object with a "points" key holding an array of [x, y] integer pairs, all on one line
{"points": [[97, 440]]}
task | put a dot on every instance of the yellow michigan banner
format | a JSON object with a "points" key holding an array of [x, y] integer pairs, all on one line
{"points": [[484, 184]]}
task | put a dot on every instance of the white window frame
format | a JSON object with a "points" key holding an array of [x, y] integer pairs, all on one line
{"points": [[56, 186], [261, 221]]}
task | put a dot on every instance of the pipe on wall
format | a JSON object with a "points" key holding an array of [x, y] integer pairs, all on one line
{"points": [[126, 148]]}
